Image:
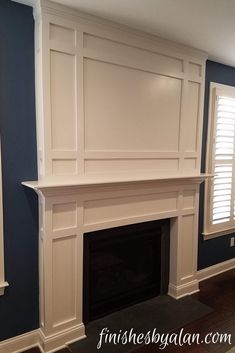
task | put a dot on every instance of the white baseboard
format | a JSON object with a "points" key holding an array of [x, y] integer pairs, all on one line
{"points": [[53, 343], [34, 338], [183, 290], [47, 344], [215, 270], [20, 343]]}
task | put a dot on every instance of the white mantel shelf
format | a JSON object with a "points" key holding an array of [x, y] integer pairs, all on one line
{"points": [[49, 185]]}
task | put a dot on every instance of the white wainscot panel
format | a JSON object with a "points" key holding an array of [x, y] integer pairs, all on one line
{"points": [[98, 211], [62, 34], [64, 280], [128, 55], [188, 199], [187, 247], [134, 110], [195, 69], [63, 101], [64, 215], [189, 164], [63, 166], [110, 166], [191, 119]]}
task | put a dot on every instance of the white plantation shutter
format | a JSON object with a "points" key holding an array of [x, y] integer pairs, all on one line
{"points": [[220, 201]]}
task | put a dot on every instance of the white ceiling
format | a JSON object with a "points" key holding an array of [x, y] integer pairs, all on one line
{"points": [[208, 25]]}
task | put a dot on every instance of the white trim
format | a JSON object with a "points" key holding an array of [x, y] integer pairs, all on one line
{"points": [[26, 2], [55, 342], [36, 338], [49, 184], [20, 343], [212, 235], [183, 290], [3, 285], [215, 270]]}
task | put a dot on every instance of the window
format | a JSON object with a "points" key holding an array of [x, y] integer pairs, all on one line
{"points": [[220, 190]]}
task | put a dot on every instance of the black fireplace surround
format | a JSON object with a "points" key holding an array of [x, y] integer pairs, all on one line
{"points": [[123, 266]]}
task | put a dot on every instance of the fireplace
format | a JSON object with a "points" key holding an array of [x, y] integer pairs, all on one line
{"points": [[119, 121], [123, 266], [83, 212]]}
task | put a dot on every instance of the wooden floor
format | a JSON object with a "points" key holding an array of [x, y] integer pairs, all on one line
{"points": [[218, 293]]}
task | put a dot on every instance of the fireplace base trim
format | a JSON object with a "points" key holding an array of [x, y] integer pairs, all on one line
{"points": [[51, 343], [180, 291]]}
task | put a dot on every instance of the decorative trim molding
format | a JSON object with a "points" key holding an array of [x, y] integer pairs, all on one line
{"points": [[55, 342], [20, 343], [68, 12], [3, 285], [215, 270], [183, 290], [58, 186], [36, 338], [26, 2], [79, 188]]}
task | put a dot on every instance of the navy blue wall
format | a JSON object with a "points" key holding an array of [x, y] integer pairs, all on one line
{"points": [[215, 250], [19, 306]]}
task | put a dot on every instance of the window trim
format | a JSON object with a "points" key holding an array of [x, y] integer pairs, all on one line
{"points": [[3, 283], [210, 230]]}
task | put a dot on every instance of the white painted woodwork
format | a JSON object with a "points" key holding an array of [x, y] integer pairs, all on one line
{"points": [[3, 283], [113, 100], [183, 21], [126, 114], [119, 119], [70, 210]]}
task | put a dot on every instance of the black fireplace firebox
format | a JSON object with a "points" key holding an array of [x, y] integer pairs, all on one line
{"points": [[124, 266]]}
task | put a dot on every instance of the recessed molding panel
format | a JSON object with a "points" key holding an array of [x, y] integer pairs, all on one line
{"points": [[107, 166], [131, 56], [189, 164], [187, 239], [195, 69], [190, 127], [64, 254], [98, 211], [188, 199], [63, 101], [129, 109], [64, 215], [62, 34], [64, 166]]}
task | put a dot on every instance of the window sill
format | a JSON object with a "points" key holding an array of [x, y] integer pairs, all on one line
{"points": [[216, 234], [2, 287]]}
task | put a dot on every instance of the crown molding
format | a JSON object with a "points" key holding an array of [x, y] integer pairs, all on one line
{"points": [[52, 7], [31, 3]]}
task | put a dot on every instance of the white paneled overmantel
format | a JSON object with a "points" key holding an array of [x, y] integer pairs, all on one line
{"points": [[111, 100], [119, 125]]}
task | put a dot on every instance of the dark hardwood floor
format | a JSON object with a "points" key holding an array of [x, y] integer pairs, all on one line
{"points": [[218, 293]]}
